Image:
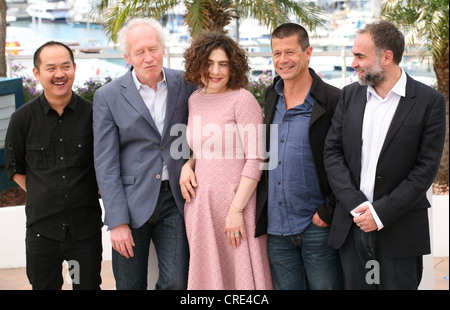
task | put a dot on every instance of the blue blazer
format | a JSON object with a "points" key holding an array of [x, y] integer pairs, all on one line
{"points": [[129, 151], [407, 165]]}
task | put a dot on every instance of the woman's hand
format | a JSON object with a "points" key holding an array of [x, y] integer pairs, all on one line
{"points": [[234, 227]]}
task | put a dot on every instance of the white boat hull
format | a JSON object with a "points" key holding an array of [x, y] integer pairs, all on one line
{"points": [[48, 10]]}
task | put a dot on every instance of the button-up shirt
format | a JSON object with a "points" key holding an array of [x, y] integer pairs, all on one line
{"points": [[294, 192], [156, 103], [378, 116], [56, 155]]}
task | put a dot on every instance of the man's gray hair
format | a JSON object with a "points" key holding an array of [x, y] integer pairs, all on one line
{"points": [[123, 33]]}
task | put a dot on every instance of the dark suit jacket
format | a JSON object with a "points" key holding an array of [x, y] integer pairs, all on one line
{"points": [[406, 168], [326, 98]]}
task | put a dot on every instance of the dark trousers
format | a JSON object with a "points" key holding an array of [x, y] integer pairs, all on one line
{"points": [[45, 257], [166, 229], [367, 267]]}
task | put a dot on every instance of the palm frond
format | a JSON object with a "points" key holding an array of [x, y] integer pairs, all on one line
{"points": [[210, 14], [196, 17], [427, 20], [117, 14], [273, 13]]}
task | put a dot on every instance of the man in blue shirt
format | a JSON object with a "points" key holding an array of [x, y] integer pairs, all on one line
{"points": [[295, 202]]}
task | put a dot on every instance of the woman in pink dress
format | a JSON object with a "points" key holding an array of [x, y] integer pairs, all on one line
{"points": [[224, 133]]}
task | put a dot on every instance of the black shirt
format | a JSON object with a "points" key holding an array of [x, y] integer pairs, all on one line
{"points": [[56, 155]]}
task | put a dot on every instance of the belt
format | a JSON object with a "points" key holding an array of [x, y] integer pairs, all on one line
{"points": [[165, 185]]}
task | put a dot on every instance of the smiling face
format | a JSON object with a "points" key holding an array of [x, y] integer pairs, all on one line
{"points": [[218, 72], [56, 73], [366, 61], [289, 60], [145, 53]]}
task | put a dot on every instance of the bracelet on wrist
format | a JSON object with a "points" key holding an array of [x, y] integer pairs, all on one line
{"points": [[236, 209]]}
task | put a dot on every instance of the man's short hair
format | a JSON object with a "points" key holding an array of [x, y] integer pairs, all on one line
{"points": [[386, 36], [37, 54], [290, 29], [123, 32]]}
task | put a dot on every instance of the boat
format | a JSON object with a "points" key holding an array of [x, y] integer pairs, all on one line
{"points": [[48, 10], [10, 19], [79, 12], [23, 40]]}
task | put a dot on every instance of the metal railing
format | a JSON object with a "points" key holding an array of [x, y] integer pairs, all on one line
{"points": [[340, 54]]}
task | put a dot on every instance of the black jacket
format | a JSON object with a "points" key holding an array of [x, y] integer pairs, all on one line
{"points": [[406, 167], [326, 97]]}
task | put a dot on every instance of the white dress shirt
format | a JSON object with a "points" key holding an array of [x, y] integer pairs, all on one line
{"points": [[378, 116], [156, 103]]}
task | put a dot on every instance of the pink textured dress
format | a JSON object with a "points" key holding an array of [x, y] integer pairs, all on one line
{"points": [[224, 154]]}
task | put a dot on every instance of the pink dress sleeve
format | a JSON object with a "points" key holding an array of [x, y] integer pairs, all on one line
{"points": [[249, 120]]}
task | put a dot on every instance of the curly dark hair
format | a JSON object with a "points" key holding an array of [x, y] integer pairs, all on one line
{"points": [[196, 59]]}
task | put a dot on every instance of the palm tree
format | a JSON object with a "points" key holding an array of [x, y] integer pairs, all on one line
{"points": [[209, 14], [427, 20], [2, 37]]}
